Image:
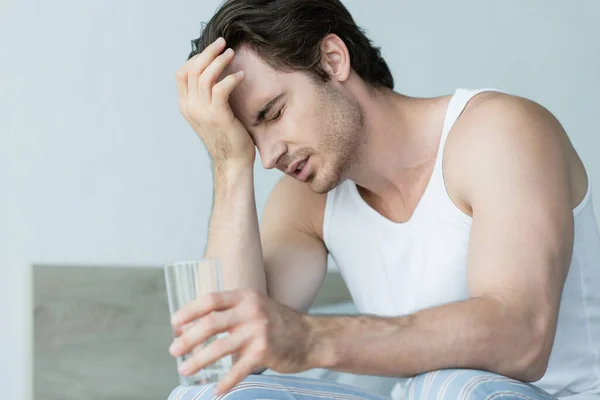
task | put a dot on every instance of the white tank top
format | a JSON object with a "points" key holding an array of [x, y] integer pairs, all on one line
{"points": [[394, 269]]}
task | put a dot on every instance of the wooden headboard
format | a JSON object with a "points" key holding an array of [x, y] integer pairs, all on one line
{"points": [[103, 332]]}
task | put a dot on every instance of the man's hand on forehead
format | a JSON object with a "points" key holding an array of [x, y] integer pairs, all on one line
{"points": [[203, 91]]}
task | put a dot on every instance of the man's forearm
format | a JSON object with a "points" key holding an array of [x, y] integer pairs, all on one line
{"points": [[478, 333], [233, 232]]}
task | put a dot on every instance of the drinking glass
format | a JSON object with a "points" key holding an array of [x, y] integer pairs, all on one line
{"points": [[187, 281]]}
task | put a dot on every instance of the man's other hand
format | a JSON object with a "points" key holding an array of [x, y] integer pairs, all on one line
{"points": [[262, 334]]}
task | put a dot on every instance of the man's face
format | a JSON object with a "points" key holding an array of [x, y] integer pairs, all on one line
{"points": [[311, 131]]}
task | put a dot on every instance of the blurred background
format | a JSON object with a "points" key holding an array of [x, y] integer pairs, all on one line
{"points": [[98, 167]]}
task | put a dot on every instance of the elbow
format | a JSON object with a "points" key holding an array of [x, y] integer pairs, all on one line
{"points": [[532, 370], [532, 356]]}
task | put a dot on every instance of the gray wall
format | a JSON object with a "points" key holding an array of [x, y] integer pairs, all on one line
{"points": [[97, 165]]}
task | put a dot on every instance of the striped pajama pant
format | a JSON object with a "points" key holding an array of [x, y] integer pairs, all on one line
{"points": [[451, 384]]}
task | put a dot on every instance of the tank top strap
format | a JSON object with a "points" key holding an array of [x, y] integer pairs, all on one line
{"points": [[455, 108]]}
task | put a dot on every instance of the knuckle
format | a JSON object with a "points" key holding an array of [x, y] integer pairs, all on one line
{"points": [[205, 113], [212, 299], [261, 332], [218, 90], [216, 322], [210, 321], [261, 348], [224, 87], [191, 74], [253, 309], [205, 89], [184, 340], [188, 326], [228, 318], [193, 62], [203, 80]]}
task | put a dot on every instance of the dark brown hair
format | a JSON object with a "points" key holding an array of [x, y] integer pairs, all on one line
{"points": [[287, 35]]}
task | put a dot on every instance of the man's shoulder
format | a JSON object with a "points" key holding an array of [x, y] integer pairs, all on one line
{"points": [[491, 112], [294, 202], [295, 191], [496, 118], [493, 106], [516, 132]]}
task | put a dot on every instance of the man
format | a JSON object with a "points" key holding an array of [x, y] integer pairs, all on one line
{"points": [[462, 224]]}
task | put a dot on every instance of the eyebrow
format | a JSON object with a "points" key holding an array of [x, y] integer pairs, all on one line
{"points": [[260, 115]]}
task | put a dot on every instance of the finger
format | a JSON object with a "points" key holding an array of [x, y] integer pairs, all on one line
{"points": [[212, 353], [216, 301], [197, 64], [209, 77], [204, 328], [238, 373], [178, 331], [222, 90]]}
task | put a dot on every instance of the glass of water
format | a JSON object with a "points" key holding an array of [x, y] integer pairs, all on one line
{"points": [[186, 281]]}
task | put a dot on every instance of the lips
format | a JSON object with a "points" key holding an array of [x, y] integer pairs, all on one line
{"points": [[299, 167], [292, 168]]}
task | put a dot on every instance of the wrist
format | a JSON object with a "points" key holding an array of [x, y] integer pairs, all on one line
{"points": [[234, 163], [230, 174], [322, 342]]}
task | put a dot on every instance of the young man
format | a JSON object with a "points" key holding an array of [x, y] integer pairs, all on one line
{"points": [[463, 224]]}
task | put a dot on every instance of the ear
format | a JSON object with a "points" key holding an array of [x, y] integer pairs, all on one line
{"points": [[335, 58]]}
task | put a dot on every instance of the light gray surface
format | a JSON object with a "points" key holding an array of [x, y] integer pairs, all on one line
{"points": [[103, 333]]}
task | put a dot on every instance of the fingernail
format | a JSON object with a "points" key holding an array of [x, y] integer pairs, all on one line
{"points": [[175, 319], [183, 368], [217, 391], [220, 41], [229, 52], [174, 347]]}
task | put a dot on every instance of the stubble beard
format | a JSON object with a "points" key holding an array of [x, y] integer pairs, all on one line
{"points": [[344, 139]]}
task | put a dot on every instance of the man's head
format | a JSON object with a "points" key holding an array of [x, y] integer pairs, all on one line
{"points": [[298, 57]]}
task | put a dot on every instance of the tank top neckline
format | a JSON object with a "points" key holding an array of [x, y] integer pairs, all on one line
{"points": [[452, 114], [378, 216]]}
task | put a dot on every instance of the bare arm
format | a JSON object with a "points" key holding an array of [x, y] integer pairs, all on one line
{"points": [[293, 261], [295, 257], [233, 232], [204, 102], [514, 174], [293, 251], [294, 254]]}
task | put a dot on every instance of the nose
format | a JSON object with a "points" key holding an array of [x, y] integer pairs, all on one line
{"points": [[270, 153]]}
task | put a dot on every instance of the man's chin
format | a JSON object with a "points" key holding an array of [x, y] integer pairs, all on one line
{"points": [[319, 190], [322, 186]]}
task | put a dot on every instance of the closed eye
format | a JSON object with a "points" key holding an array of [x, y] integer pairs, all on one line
{"points": [[277, 115]]}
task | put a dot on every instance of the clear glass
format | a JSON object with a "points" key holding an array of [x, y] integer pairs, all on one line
{"points": [[187, 281]]}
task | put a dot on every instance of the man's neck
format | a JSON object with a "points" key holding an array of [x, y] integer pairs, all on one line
{"points": [[403, 138]]}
